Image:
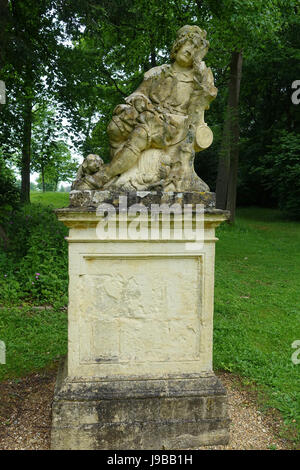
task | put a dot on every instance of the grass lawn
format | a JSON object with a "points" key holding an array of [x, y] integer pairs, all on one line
{"points": [[257, 310], [257, 306], [34, 339], [56, 200]]}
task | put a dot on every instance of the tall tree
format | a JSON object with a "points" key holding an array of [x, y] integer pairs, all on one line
{"points": [[28, 71], [45, 136], [226, 186], [237, 28], [268, 115], [4, 20], [60, 167]]}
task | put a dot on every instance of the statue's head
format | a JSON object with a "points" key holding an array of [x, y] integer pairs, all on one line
{"points": [[91, 164], [190, 42]]}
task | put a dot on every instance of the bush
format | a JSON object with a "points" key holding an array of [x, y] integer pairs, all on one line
{"points": [[9, 198], [34, 266], [9, 191], [281, 172]]}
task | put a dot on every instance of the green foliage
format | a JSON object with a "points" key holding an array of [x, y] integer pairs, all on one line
{"points": [[34, 266], [51, 156], [9, 191], [46, 185], [266, 110], [281, 172], [33, 270], [33, 338], [29, 63], [33, 186], [239, 24]]}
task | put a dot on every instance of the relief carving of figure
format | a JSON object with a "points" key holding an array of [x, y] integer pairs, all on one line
{"points": [[155, 134]]}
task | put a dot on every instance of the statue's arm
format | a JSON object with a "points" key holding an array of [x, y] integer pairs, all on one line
{"points": [[204, 93], [143, 91], [204, 81]]}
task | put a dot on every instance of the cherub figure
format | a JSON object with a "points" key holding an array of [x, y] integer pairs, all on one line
{"points": [[154, 136]]}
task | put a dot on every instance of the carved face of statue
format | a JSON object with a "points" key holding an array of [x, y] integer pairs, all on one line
{"points": [[185, 54], [92, 164]]}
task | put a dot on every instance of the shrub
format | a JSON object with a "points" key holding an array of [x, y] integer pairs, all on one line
{"points": [[9, 191], [34, 266], [281, 172], [9, 197]]}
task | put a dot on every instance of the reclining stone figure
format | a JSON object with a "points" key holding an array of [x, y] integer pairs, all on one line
{"points": [[155, 134]]}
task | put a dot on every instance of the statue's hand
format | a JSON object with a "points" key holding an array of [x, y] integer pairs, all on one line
{"points": [[139, 101], [99, 179]]}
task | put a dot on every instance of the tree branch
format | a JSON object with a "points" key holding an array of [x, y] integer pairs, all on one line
{"points": [[113, 81]]}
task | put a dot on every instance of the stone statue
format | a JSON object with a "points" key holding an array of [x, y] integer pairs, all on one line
{"points": [[155, 134]]}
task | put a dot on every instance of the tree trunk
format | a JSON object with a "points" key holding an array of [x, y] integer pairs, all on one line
{"points": [[43, 178], [235, 137], [152, 54], [229, 153], [26, 152], [4, 17], [224, 164], [4, 237], [56, 182]]}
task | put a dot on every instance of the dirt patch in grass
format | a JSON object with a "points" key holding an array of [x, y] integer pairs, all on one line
{"points": [[25, 412], [25, 415]]}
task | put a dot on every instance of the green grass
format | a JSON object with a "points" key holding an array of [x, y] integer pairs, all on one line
{"points": [[257, 305], [33, 339], [56, 200]]}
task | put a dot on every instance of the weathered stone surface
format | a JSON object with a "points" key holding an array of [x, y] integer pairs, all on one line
{"points": [[155, 134], [139, 369], [139, 306], [92, 198], [170, 413]]}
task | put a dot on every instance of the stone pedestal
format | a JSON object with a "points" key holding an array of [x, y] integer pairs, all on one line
{"points": [[139, 368]]}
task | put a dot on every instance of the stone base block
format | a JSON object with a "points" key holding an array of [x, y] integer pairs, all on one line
{"points": [[140, 413]]}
